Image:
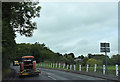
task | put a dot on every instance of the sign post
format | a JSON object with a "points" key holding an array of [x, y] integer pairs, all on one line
{"points": [[105, 47]]}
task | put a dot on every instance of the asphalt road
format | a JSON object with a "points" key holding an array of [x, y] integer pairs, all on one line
{"points": [[50, 74]]}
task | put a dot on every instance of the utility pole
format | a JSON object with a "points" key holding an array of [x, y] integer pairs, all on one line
{"points": [[106, 59]]}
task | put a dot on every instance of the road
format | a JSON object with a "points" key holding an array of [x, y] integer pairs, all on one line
{"points": [[50, 74]]}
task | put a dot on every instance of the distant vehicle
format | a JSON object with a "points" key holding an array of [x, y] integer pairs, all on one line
{"points": [[28, 66], [15, 63]]}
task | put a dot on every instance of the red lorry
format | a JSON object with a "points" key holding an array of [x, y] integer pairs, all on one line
{"points": [[28, 66]]}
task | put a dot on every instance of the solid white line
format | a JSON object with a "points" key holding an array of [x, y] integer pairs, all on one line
{"points": [[51, 77]]}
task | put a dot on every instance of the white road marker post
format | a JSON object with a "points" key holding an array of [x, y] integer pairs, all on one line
{"points": [[74, 67], [116, 70], [53, 65], [56, 65], [63, 66], [59, 65], [67, 66], [95, 67], [70, 67], [79, 67], [104, 69], [87, 68]]}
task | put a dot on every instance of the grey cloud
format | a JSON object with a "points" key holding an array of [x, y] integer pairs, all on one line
{"points": [[76, 27]]}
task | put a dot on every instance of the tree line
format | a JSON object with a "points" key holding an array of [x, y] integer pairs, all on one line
{"points": [[41, 53], [44, 54], [99, 59]]}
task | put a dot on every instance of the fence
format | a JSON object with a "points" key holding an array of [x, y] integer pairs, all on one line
{"points": [[112, 70]]}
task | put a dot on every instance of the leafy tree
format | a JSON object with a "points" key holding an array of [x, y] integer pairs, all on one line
{"points": [[59, 54], [90, 55], [40, 52], [16, 17], [84, 61], [102, 58], [92, 62], [72, 55], [69, 58], [8, 45], [81, 56], [115, 59]]}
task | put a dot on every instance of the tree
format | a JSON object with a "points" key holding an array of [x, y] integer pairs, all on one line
{"points": [[72, 55], [101, 57], [92, 62], [90, 55], [40, 52], [69, 58], [84, 61], [19, 15], [8, 45], [115, 59], [59, 54], [16, 17], [81, 56]]}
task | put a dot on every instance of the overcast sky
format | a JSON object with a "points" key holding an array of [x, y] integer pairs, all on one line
{"points": [[77, 27]]}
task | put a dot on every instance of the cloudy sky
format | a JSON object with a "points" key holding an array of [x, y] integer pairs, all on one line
{"points": [[76, 27]]}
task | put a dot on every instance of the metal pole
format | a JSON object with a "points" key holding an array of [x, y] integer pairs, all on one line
{"points": [[106, 59]]}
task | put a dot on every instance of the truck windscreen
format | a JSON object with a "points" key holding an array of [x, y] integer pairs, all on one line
{"points": [[27, 58]]}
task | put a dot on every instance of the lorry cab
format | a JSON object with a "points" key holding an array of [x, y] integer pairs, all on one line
{"points": [[28, 62], [28, 66]]}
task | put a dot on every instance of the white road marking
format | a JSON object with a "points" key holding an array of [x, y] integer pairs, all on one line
{"points": [[51, 77]]}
